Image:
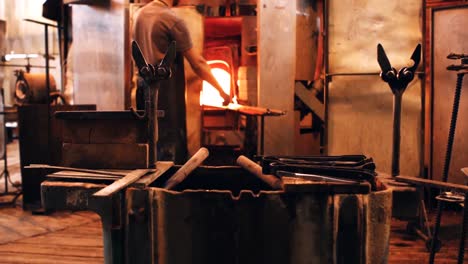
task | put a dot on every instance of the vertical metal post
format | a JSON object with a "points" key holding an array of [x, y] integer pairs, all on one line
{"points": [[262, 135], [152, 115], [396, 133], [46, 39], [448, 158]]}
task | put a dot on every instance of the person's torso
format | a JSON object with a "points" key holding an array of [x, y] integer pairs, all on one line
{"points": [[152, 30]]}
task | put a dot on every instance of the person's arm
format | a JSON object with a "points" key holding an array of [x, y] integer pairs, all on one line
{"points": [[203, 70]]}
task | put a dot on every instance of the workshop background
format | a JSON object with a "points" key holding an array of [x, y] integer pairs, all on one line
{"points": [[312, 96]]}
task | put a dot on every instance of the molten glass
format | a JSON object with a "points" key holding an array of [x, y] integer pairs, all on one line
{"points": [[209, 95]]}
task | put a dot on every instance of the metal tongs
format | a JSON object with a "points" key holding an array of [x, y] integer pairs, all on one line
{"points": [[398, 82], [349, 161], [344, 169], [150, 73]]}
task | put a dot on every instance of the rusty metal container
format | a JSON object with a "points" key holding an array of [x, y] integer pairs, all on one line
{"points": [[225, 215]]}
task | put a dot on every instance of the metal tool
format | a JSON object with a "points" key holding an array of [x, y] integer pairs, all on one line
{"points": [[152, 75], [348, 167], [461, 69], [274, 182], [315, 177], [398, 82], [350, 161], [181, 174]]}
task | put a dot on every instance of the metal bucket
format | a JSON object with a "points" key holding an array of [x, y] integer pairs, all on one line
{"points": [[225, 215]]}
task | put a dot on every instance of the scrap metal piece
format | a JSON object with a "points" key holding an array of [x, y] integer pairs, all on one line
{"points": [[120, 184], [102, 172]]}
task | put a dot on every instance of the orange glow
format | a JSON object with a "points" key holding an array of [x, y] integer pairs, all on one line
{"points": [[209, 95]]}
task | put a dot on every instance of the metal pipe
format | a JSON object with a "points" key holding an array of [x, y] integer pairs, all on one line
{"points": [[448, 157], [151, 109], [47, 72], [396, 133]]}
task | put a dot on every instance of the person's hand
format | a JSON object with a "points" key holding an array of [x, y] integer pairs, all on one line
{"points": [[227, 98]]}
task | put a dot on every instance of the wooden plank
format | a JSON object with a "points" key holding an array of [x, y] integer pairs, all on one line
{"points": [[51, 249], [23, 221], [20, 226], [120, 184], [116, 156], [146, 180], [13, 258], [309, 98], [8, 235], [58, 239], [276, 71]]}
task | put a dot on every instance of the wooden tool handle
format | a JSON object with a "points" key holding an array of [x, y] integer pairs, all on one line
{"points": [[195, 161], [273, 181]]}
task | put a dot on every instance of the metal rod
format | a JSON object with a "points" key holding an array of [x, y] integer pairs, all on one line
{"points": [[103, 172], [433, 183], [426, 218], [46, 39], [151, 106], [23, 65], [396, 134], [461, 249], [40, 22], [262, 135], [361, 73]]}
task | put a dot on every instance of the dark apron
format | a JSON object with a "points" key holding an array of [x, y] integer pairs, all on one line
{"points": [[172, 141]]}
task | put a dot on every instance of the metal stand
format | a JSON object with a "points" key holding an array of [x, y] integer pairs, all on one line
{"points": [[398, 82], [152, 75], [463, 69], [5, 174], [46, 45]]}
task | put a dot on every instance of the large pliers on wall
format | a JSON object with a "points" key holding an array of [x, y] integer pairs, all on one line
{"points": [[398, 81], [152, 75]]}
